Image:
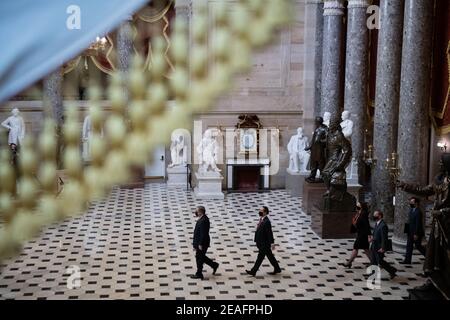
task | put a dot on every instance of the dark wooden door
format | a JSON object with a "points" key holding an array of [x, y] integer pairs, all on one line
{"points": [[247, 178]]}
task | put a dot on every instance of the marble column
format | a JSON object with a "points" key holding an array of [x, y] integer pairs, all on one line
{"points": [[53, 95], [52, 85], [356, 70], [124, 45], [332, 57], [386, 102], [183, 9], [313, 55], [414, 128], [318, 45], [312, 74]]}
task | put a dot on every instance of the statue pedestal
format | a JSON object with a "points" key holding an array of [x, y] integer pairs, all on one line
{"points": [[312, 195], [177, 176], [354, 189], [295, 182], [331, 225], [209, 186], [333, 219]]}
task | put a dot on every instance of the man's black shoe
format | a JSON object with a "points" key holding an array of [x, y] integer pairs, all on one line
{"points": [[251, 273], [215, 268], [196, 276], [274, 272], [405, 262]]}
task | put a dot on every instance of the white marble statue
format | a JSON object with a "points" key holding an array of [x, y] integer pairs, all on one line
{"points": [[178, 150], [86, 138], [347, 131], [16, 128], [208, 153], [298, 157], [346, 124], [326, 118]]}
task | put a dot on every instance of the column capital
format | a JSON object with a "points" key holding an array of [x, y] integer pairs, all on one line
{"points": [[183, 8], [313, 1], [182, 4], [333, 8], [358, 4]]}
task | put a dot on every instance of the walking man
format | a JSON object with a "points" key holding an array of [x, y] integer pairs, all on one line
{"points": [[265, 243], [201, 243], [414, 230], [380, 245]]}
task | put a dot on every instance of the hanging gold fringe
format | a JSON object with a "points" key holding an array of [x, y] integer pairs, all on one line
{"points": [[139, 121]]}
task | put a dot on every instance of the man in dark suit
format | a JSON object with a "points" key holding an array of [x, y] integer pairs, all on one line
{"points": [[265, 243], [201, 243], [379, 244], [414, 230], [318, 150]]}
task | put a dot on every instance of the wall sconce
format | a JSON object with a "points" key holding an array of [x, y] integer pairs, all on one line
{"points": [[442, 145], [393, 167], [368, 157]]}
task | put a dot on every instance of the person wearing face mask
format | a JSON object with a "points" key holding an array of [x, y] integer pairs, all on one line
{"points": [[265, 243], [360, 225], [414, 229], [201, 243], [380, 244]]}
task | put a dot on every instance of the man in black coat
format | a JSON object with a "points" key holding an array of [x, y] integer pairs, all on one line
{"points": [[265, 242], [201, 243], [414, 230], [379, 244], [318, 150]]}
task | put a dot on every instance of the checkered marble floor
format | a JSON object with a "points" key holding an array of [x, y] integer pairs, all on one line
{"points": [[137, 245]]}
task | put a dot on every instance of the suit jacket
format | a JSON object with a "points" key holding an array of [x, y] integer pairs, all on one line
{"points": [[380, 236], [263, 234], [415, 222], [318, 143], [201, 233]]}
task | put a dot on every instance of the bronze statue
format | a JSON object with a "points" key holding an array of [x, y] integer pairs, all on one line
{"points": [[339, 152], [339, 155], [318, 148], [437, 260]]}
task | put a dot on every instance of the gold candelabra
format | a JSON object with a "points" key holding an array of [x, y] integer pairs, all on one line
{"points": [[368, 157], [392, 166]]}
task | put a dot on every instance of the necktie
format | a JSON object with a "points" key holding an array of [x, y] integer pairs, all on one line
{"points": [[259, 223]]}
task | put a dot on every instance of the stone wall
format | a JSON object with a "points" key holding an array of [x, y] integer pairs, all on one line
{"points": [[273, 89]]}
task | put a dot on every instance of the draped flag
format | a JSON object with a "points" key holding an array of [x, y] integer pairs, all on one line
{"points": [[39, 36]]}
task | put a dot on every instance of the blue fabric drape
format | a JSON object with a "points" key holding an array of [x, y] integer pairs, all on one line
{"points": [[35, 39]]}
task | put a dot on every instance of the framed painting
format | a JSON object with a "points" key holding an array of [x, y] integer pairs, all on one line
{"points": [[248, 141]]}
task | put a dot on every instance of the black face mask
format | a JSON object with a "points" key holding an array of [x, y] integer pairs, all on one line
{"points": [[376, 218], [196, 214], [412, 205], [260, 213], [358, 208]]}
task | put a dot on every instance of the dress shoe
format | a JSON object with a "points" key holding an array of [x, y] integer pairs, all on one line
{"points": [[405, 262], [216, 266], [253, 274], [393, 274], [196, 276], [274, 272], [348, 264]]}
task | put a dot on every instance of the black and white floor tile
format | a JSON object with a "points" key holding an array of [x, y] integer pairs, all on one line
{"points": [[137, 245]]}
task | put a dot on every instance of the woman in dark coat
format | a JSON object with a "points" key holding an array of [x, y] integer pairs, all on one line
{"points": [[360, 225]]}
